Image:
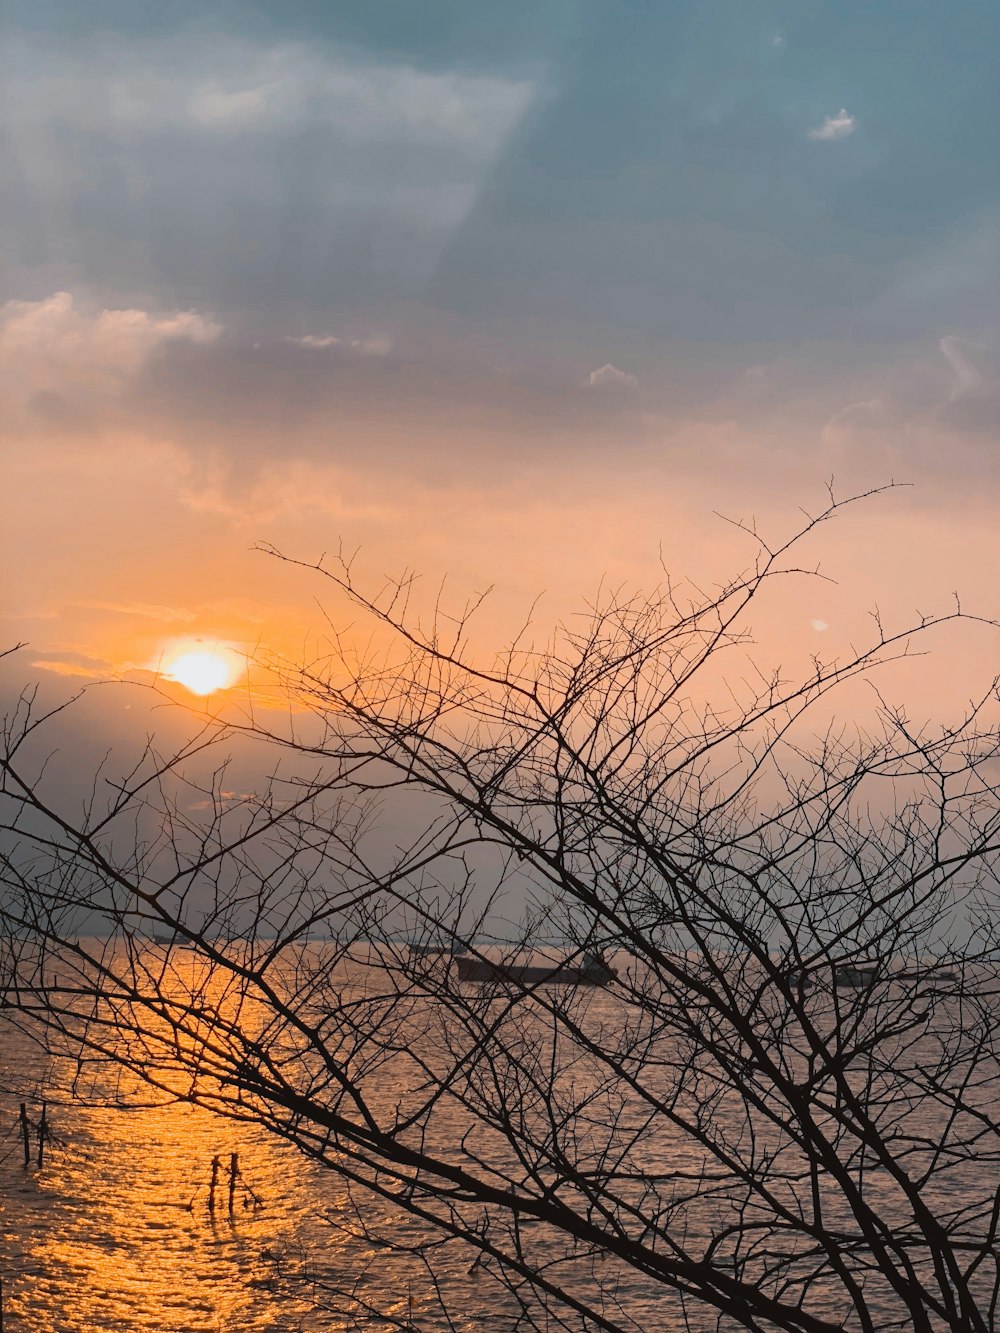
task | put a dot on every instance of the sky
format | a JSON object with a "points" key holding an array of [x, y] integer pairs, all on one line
{"points": [[523, 295]]}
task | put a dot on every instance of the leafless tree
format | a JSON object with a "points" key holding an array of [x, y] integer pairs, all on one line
{"points": [[779, 1112]]}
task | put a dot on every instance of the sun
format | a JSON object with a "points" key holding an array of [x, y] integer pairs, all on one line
{"points": [[202, 670]]}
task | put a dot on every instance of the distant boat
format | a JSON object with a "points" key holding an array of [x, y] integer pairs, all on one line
{"points": [[855, 977], [437, 950], [593, 971], [176, 942], [848, 977], [943, 978], [933, 982]]}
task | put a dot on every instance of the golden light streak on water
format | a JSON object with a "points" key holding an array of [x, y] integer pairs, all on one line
{"points": [[115, 1231]]}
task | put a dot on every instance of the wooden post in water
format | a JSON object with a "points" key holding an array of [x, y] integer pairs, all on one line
{"points": [[43, 1130], [215, 1181], [234, 1171], [24, 1136]]}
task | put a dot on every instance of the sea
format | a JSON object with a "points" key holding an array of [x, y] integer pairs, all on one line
{"points": [[120, 1228]]}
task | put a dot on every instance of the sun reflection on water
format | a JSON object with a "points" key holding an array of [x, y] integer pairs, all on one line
{"points": [[117, 1232]]}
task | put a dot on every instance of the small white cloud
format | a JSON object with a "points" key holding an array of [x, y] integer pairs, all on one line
{"points": [[375, 345], [819, 625], [840, 126], [315, 340], [609, 374], [213, 105]]}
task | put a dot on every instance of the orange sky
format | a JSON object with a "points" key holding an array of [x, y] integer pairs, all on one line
{"points": [[470, 301]]}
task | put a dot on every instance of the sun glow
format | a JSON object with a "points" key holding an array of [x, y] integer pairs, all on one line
{"points": [[202, 670]]}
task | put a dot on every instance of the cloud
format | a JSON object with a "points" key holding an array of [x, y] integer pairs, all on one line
{"points": [[145, 610], [609, 374], [377, 161], [126, 88], [974, 367], [51, 351], [879, 413], [974, 394], [840, 126], [212, 104], [376, 345], [933, 418], [293, 489], [315, 340], [70, 663]]}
